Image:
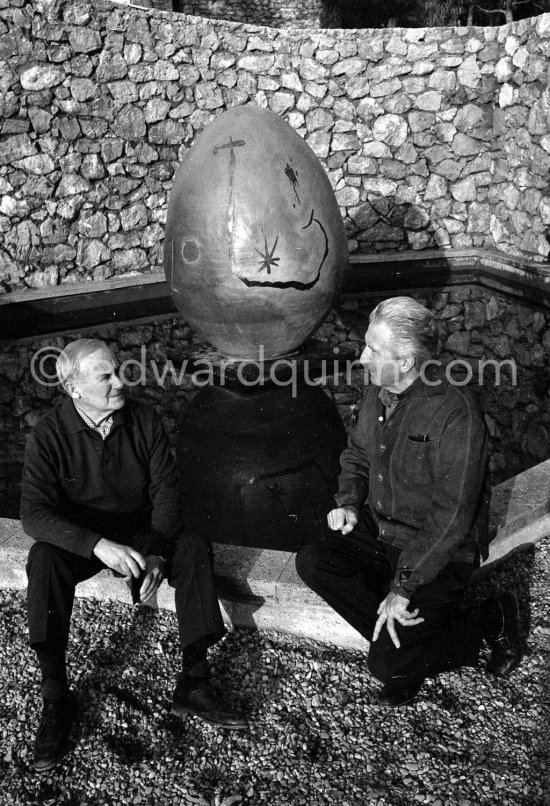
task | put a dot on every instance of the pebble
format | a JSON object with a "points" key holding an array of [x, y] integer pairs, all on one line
{"points": [[315, 739]]}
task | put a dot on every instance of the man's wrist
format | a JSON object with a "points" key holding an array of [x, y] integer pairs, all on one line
{"points": [[347, 504], [400, 591], [164, 563]]}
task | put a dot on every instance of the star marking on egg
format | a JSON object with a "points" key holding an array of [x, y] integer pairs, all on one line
{"points": [[267, 257]]}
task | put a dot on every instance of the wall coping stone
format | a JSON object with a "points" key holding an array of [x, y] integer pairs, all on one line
{"points": [[135, 297], [259, 588]]}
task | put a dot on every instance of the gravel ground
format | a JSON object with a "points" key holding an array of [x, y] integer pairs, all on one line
{"points": [[316, 736]]}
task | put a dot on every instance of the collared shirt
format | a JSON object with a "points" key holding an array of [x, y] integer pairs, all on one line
{"points": [[103, 428], [78, 487], [423, 474], [389, 399]]}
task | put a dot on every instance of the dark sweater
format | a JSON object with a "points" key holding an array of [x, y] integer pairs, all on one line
{"points": [[78, 488]]}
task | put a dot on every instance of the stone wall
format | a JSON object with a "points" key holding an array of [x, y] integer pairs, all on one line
{"points": [[430, 137], [476, 325], [275, 13]]}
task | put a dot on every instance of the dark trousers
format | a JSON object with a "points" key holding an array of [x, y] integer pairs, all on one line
{"points": [[53, 574], [353, 572]]}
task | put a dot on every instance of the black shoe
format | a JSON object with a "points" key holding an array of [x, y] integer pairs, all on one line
{"points": [[204, 702], [503, 634], [51, 742], [392, 695]]}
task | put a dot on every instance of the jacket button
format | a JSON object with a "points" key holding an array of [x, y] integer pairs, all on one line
{"points": [[382, 447], [380, 477], [381, 419]]}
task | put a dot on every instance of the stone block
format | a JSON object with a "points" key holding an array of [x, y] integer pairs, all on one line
{"points": [[397, 104], [357, 87], [464, 190], [84, 40], [11, 530], [130, 123], [43, 76], [429, 101], [443, 80], [390, 129], [385, 88], [520, 513], [261, 589], [249, 571], [469, 74], [16, 147], [421, 121], [257, 63]]}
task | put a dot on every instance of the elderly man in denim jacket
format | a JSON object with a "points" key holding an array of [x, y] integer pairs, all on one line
{"points": [[410, 527]]}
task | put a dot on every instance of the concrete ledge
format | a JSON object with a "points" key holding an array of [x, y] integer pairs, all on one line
{"points": [[260, 589]]}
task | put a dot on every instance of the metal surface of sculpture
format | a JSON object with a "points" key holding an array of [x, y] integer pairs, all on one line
{"points": [[254, 253], [255, 245]]}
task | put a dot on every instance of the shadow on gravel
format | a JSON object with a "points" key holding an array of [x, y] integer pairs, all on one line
{"points": [[109, 671], [126, 643], [122, 695], [544, 737], [235, 668], [518, 573], [129, 750], [514, 574]]}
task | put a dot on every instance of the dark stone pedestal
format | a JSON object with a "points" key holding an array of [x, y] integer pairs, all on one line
{"points": [[259, 466]]}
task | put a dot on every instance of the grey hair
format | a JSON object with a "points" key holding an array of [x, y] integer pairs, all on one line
{"points": [[68, 362], [413, 326]]}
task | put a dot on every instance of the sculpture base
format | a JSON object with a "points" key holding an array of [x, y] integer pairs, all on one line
{"points": [[259, 466]]}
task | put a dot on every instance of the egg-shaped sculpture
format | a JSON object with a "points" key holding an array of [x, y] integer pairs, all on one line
{"points": [[255, 244]]}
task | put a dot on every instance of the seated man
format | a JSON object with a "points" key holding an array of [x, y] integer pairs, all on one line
{"points": [[100, 490], [412, 516]]}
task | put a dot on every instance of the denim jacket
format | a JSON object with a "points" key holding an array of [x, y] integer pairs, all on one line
{"points": [[423, 474]]}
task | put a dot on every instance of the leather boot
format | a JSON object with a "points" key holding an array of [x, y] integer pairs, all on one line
{"points": [[51, 742], [393, 695], [203, 701], [502, 633]]}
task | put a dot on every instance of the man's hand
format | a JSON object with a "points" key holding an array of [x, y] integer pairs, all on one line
{"points": [[124, 559], [342, 519], [394, 608], [154, 573]]}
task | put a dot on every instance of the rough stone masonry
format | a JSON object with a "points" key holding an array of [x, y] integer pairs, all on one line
{"points": [[430, 137]]}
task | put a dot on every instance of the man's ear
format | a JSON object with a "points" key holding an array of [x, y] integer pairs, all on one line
{"points": [[407, 364], [71, 390]]}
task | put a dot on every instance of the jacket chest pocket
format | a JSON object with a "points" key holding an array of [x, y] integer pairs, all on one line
{"points": [[418, 460]]}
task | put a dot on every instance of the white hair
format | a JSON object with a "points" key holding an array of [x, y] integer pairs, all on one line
{"points": [[69, 361]]}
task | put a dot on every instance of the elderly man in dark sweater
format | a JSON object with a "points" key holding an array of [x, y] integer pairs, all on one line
{"points": [[410, 525], [100, 490]]}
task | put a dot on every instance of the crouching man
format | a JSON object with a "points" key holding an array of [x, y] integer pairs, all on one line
{"points": [[100, 490], [411, 522]]}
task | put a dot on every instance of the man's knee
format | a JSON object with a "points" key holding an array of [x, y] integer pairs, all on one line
{"points": [[49, 565], [309, 561], [384, 659], [42, 555], [191, 549]]}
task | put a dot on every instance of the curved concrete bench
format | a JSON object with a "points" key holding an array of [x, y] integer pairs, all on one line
{"points": [[259, 588]]}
